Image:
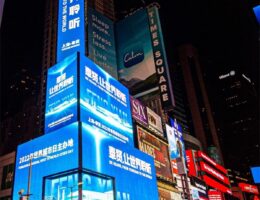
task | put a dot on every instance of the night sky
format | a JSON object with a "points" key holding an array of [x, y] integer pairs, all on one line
{"points": [[225, 32]]}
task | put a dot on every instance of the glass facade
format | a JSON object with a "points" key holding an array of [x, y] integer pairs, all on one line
{"points": [[71, 185]]}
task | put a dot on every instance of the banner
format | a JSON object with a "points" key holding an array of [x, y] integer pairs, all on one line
{"points": [[158, 150], [71, 28], [101, 42]]}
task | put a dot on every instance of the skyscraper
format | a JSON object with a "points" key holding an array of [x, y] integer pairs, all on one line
{"points": [[238, 119], [199, 105], [105, 7]]}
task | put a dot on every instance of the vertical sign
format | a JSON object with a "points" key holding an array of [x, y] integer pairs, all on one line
{"points": [[139, 112], [71, 28], [160, 59], [101, 42], [61, 94]]}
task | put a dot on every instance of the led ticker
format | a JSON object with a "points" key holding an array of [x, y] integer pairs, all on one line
{"points": [[209, 160], [211, 182], [214, 173], [248, 188]]}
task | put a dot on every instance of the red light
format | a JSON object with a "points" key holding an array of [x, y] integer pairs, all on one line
{"points": [[209, 181]]}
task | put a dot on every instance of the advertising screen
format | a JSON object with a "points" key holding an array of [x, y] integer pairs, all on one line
{"points": [[158, 149], [71, 28], [104, 102], [248, 188], [168, 194], [61, 94], [256, 174], [133, 170], [101, 42], [58, 154], [136, 67], [154, 122], [191, 162], [139, 112], [215, 184], [215, 195], [180, 150]]}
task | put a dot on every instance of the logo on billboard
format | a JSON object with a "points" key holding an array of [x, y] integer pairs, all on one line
{"points": [[133, 57]]}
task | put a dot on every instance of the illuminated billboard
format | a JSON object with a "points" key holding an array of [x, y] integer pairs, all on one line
{"points": [[43, 156], [104, 102], [71, 28], [245, 187], [136, 67], [142, 63], [101, 42], [158, 149], [154, 122], [139, 112], [61, 94], [133, 170]]}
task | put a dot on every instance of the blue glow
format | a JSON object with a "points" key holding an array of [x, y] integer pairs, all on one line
{"points": [[71, 28], [61, 94], [104, 102], [257, 13], [50, 154], [122, 162], [256, 174]]}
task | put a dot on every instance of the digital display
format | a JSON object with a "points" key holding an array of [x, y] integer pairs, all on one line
{"points": [[248, 188], [158, 149], [257, 13], [154, 122], [101, 41], [256, 174], [136, 67], [45, 155], [61, 94], [104, 102], [139, 112], [71, 28], [133, 170]]}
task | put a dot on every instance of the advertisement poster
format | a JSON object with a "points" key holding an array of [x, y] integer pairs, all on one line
{"points": [[154, 122], [61, 94], [139, 112], [58, 154], [136, 67], [158, 149], [71, 28], [133, 171], [101, 42], [168, 194], [104, 102]]}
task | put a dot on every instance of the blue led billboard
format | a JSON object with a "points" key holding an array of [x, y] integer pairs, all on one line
{"points": [[133, 170], [71, 28], [49, 154], [61, 94], [256, 174], [104, 102], [101, 42]]}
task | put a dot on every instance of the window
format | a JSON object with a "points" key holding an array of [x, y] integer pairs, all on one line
{"points": [[7, 179]]}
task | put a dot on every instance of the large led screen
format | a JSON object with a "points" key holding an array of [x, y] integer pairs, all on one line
{"points": [[43, 156], [158, 149], [61, 94], [104, 102], [133, 170], [136, 67], [71, 28], [101, 42]]}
